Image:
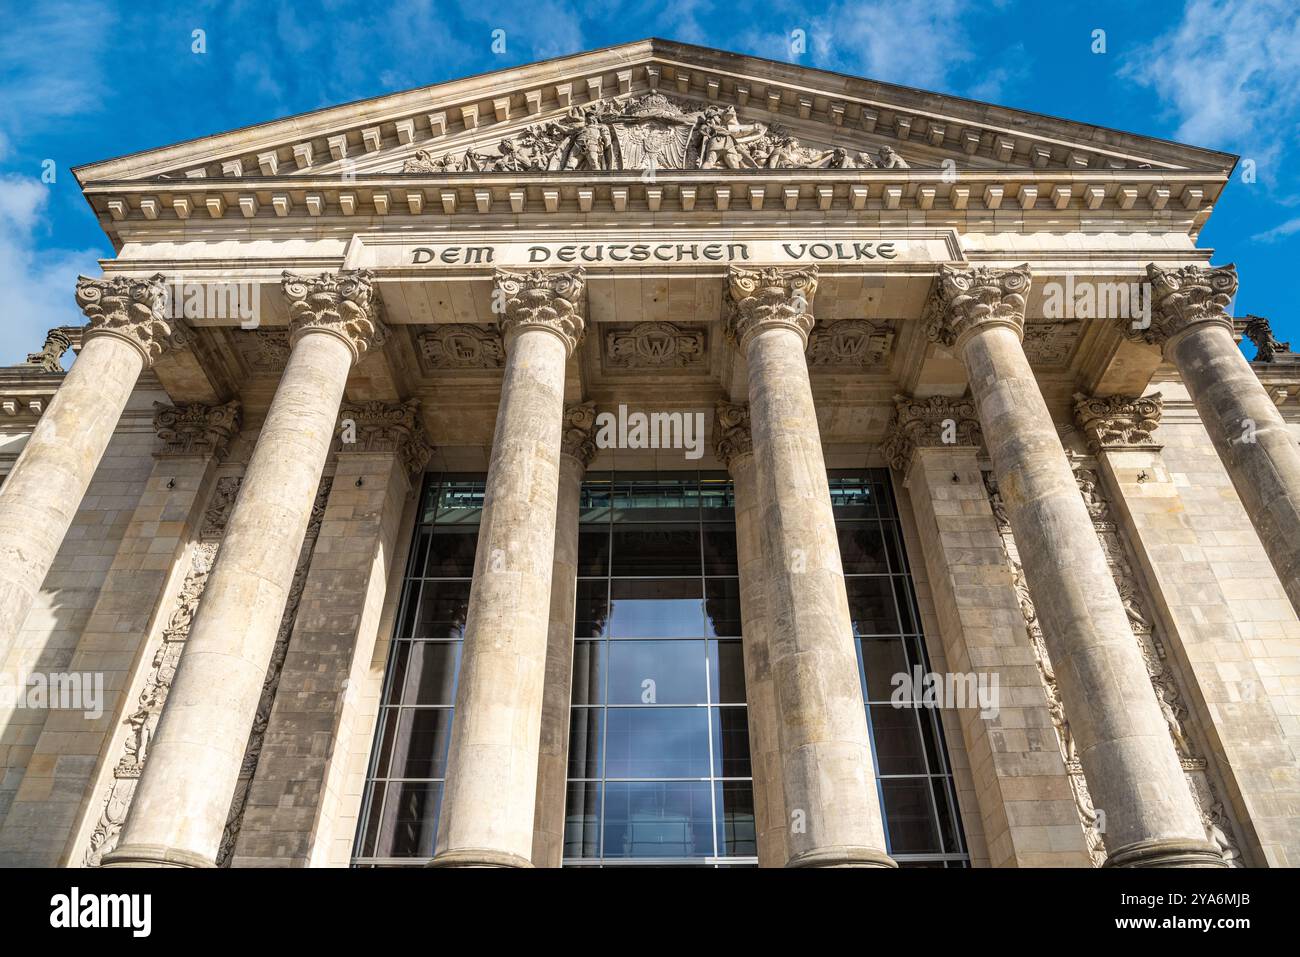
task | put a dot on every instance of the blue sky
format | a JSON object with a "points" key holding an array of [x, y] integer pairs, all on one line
{"points": [[83, 81]]}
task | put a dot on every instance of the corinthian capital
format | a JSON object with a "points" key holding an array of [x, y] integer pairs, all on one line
{"points": [[134, 310], [1184, 297], [195, 429], [767, 297], [342, 303], [936, 422], [579, 436], [1118, 421], [732, 439], [554, 300], [385, 427], [968, 298]]}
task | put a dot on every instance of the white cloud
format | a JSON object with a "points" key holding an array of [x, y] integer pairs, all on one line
{"points": [[36, 285], [1280, 231]]}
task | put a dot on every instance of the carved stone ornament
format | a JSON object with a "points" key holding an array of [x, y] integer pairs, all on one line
{"points": [[342, 303], [967, 298], [57, 342], [195, 429], [1118, 421], [1258, 331], [385, 427], [463, 346], [732, 438], [264, 350], [856, 343], [654, 345], [1184, 297], [579, 436], [648, 132], [934, 422], [134, 310], [546, 298], [770, 295]]}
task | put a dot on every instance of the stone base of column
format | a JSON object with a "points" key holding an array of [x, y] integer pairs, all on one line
{"points": [[153, 855], [1171, 853], [479, 857], [842, 856]]}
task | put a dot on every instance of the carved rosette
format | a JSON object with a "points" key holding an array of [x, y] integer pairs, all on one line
{"points": [[968, 298], [1118, 421], [767, 297], [385, 427], [133, 310], [1184, 297], [732, 439], [342, 303], [935, 422], [554, 300], [195, 429], [463, 346], [579, 436]]}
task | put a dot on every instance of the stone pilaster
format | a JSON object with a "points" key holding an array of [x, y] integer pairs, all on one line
{"points": [[1190, 322], [1130, 765], [127, 614], [576, 453], [1025, 802], [489, 801], [128, 329], [827, 773], [292, 809], [1226, 658], [181, 805], [734, 446]]}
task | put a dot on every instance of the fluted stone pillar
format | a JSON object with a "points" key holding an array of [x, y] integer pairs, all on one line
{"points": [[827, 773], [576, 454], [733, 443], [181, 804], [490, 795], [1189, 321], [128, 329], [1128, 760]]}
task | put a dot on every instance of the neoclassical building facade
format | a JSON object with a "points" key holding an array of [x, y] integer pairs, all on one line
{"points": [[574, 465]]}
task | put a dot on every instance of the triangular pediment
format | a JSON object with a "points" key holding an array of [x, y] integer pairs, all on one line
{"points": [[653, 104]]}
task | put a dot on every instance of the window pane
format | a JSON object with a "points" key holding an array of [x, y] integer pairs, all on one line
{"points": [[657, 743], [862, 548], [420, 744], [431, 675], [658, 819], [667, 608], [657, 672], [909, 819], [898, 740], [651, 550], [727, 672], [410, 820], [735, 810], [451, 552], [582, 821], [720, 550], [593, 549], [591, 608], [588, 672], [731, 743], [585, 743], [871, 605], [443, 606], [948, 829], [723, 606], [882, 659]]}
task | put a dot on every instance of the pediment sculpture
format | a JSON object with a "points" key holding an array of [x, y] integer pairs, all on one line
{"points": [[651, 132]]}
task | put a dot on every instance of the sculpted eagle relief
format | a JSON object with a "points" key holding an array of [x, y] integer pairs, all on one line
{"points": [[651, 132]]}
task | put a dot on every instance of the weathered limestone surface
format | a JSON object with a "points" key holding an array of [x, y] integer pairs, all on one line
{"points": [[1025, 801], [1130, 764], [735, 449], [183, 799], [553, 753], [1227, 620], [826, 766], [290, 817], [40, 496], [1261, 454], [490, 795], [59, 786]]}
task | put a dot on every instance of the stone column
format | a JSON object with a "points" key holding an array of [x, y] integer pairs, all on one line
{"points": [[490, 796], [733, 444], [827, 773], [183, 798], [1190, 323], [128, 329], [553, 755], [1132, 770], [290, 816]]}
